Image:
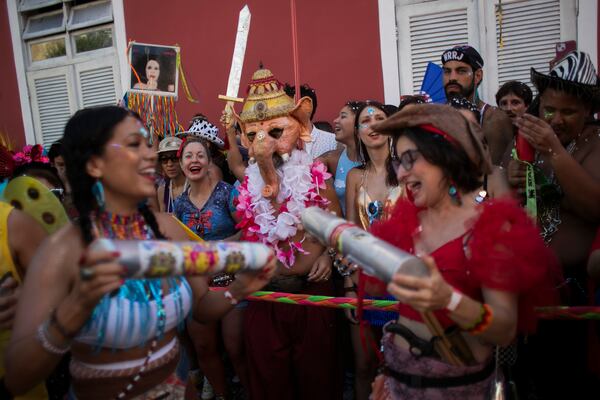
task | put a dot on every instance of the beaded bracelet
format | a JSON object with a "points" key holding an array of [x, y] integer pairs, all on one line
{"points": [[44, 337], [483, 322], [332, 253], [344, 269]]}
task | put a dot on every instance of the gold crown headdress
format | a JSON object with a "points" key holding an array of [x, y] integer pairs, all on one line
{"points": [[266, 98]]}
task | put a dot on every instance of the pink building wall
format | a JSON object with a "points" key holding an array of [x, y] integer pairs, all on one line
{"points": [[338, 47], [11, 122]]}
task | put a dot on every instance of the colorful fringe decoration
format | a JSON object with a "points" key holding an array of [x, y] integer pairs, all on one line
{"points": [[157, 112], [350, 303], [184, 84]]}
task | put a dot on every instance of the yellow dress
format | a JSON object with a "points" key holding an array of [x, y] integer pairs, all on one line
{"points": [[7, 265]]}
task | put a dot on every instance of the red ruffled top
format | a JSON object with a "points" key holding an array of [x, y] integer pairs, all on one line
{"points": [[502, 251]]}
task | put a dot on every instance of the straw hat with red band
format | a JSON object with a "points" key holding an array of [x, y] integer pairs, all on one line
{"points": [[446, 122]]}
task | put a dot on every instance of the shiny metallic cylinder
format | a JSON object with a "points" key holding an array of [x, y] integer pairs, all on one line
{"points": [[374, 256], [158, 258]]}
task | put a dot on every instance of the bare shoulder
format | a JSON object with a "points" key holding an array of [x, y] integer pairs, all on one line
{"points": [[169, 226], [330, 159], [354, 175]]}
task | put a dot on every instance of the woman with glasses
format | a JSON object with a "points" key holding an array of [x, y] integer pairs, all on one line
{"points": [[174, 183], [487, 265], [371, 191], [121, 332]]}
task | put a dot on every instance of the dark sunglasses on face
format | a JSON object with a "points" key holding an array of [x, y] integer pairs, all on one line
{"points": [[59, 193], [166, 159], [406, 160]]}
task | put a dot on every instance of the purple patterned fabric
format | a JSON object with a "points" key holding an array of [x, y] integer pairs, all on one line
{"points": [[402, 361]]}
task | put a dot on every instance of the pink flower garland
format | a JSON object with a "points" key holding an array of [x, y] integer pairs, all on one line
{"points": [[255, 231]]}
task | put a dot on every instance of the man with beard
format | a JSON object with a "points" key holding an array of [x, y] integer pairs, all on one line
{"points": [[566, 140], [463, 73]]}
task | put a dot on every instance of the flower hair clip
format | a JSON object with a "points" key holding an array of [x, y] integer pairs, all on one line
{"points": [[30, 154]]}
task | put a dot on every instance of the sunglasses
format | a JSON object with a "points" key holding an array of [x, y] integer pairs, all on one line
{"points": [[406, 160], [59, 193], [166, 159]]}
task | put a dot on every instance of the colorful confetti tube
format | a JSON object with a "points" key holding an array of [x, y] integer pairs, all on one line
{"points": [[158, 258]]}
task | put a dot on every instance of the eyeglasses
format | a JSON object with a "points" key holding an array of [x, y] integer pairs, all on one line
{"points": [[166, 159], [406, 160], [59, 193]]}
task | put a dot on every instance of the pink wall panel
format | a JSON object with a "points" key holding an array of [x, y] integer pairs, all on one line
{"points": [[338, 47], [11, 122]]}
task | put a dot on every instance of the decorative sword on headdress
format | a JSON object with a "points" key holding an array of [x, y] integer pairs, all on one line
{"points": [[237, 63]]}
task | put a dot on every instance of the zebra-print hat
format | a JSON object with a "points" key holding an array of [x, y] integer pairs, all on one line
{"points": [[574, 74], [203, 129]]}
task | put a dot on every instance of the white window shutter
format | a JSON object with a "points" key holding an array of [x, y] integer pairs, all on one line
{"points": [[97, 83], [426, 30], [530, 30], [52, 102], [431, 35]]}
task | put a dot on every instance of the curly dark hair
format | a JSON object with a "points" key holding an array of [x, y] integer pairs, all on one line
{"points": [[390, 178], [454, 162], [86, 135]]}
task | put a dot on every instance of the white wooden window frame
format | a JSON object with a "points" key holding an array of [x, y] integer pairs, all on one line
{"points": [[72, 27], [578, 17], [61, 28], [403, 18], [568, 31], [66, 71], [21, 58], [50, 62], [96, 52], [95, 64]]}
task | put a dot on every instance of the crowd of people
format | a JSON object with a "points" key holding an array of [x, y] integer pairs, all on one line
{"points": [[501, 203]]}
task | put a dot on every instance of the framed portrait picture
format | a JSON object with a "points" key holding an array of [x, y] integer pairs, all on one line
{"points": [[154, 69]]}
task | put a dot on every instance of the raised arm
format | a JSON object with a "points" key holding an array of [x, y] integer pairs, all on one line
{"points": [[235, 160], [577, 173], [54, 304]]}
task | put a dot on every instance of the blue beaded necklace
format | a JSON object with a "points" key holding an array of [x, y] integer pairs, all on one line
{"points": [[137, 293]]}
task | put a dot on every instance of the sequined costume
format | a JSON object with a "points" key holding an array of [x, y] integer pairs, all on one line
{"points": [[370, 211]]}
